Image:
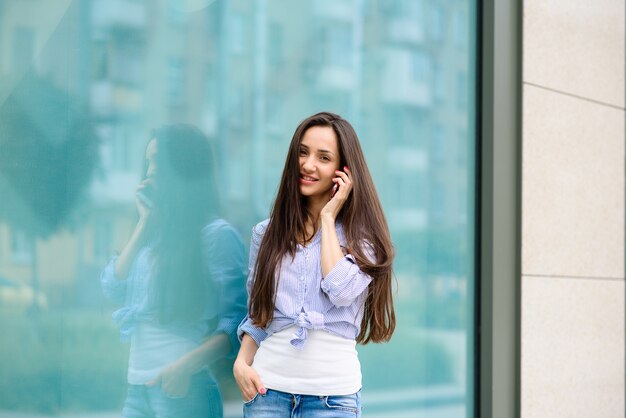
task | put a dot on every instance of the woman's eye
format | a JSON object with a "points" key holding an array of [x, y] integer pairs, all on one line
{"points": [[302, 152]]}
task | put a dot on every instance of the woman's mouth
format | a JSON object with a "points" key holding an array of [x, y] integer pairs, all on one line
{"points": [[304, 179]]}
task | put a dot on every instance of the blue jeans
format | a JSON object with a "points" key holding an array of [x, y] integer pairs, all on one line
{"points": [[202, 401], [275, 404]]}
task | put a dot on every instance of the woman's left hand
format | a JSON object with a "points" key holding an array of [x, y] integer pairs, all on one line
{"points": [[344, 183], [174, 380]]}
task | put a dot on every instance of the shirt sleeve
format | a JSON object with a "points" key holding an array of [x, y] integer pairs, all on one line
{"points": [[113, 288], [346, 282], [246, 326], [226, 265]]}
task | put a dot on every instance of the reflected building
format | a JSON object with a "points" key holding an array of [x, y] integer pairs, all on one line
{"points": [[245, 73]]}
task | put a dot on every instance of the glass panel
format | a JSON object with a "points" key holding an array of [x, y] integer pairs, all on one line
{"points": [[83, 83]]}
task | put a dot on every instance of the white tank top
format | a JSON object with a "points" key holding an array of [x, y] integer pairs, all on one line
{"points": [[327, 365], [151, 349]]}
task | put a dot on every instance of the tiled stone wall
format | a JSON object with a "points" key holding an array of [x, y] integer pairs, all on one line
{"points": [[573, 215]]}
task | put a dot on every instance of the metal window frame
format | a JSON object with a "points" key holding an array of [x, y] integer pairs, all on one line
{"points": [[499, 208]]}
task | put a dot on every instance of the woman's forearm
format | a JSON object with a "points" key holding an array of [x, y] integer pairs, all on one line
{"points": [[125, 260], [247, 378], [211, 350], [247, 350], [331, 252]]}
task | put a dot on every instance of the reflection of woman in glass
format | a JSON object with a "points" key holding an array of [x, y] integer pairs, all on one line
{"points": [[179, 278], [319, 280]]}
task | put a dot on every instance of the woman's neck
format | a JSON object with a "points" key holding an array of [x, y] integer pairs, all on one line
{"points": [[314, 208]]}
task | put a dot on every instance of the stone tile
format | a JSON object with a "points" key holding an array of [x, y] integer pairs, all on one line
{"points": [[572, 342], [576, 46], [572, 187]]}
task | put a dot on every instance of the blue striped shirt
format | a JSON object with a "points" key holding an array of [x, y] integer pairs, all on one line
{"points": [[224, 302], [304, 298]]}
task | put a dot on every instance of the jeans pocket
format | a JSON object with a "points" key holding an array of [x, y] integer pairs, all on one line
{"points": [[348, 403], [251, 401]]}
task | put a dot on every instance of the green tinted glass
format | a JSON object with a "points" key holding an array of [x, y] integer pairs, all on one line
{"points": [[83, 86]]}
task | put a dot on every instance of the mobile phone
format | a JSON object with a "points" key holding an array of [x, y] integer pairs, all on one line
{"points": [[146, 195], [335, 188]]}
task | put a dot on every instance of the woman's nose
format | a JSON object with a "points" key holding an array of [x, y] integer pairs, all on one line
{"points": [[308, 165]]}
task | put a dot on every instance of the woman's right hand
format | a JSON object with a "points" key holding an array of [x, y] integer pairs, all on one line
{"points": [[248, 380], [144, 195]]}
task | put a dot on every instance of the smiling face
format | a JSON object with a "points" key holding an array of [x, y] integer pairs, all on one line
{"points": [[318, 159]]}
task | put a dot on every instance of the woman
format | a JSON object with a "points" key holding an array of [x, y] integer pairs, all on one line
{"points": [[180, 279], [319, 280]]}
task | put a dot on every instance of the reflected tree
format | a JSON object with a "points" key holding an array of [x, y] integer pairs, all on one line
{"points": [[48, 153]]}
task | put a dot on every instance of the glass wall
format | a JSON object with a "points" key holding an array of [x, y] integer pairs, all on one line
{"points": [[83, 83]]}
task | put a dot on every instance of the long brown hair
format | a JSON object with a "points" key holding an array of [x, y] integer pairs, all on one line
{"points": [[363, 222], [185, 201]]}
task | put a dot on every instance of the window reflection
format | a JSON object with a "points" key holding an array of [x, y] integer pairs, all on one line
{"points": [[243, 73], [180, 280]]}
